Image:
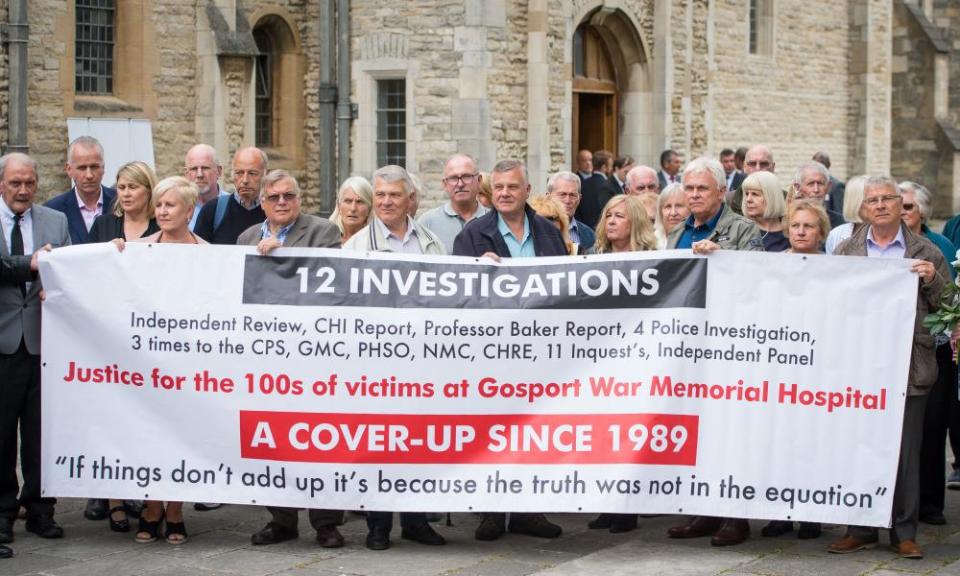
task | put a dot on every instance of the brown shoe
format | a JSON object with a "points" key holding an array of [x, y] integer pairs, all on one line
{"points": [[849, 544], [908, 549], [733, 531], [329, 537], [696, 527]]}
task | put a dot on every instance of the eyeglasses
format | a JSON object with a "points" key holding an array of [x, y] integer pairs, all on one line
{"points": [[875, 200], [274, 198], [465, 178]]}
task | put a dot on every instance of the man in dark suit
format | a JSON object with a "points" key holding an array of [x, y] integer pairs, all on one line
{"points": [[621, 165], [728, 158], [26, 229], [597, 190], [584, 164], [286, 226], [812, 180], [88, 198], [670, 163]]}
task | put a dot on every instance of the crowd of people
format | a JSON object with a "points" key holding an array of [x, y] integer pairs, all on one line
{"points": [[609, 205]]}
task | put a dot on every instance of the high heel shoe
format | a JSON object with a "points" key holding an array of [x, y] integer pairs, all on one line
{"points": [[122, 525], [147, 530]]}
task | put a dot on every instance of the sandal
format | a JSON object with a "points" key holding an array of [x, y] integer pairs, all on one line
{"points": [[176, 533], [122, 525], [147, 530]]}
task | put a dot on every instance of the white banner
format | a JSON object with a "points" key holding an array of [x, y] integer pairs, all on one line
{"points": [[742, 384]]}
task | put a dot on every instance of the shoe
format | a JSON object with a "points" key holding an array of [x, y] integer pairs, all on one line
{"points": [[733, 531], [953, 480], [908, 549], [121, 525], [809, 530], [6, 530], [147, 530], [5, 552], [132, 508], [176, 533], [696, 527], [329, 537], [623, 523], [601, 522], [492, 526], [933, 518], [274, 533], [533, 525], [378, 539], [849, 544], [776, 528], [423, 534], [206, 506], [96, 509], [44, 527]]}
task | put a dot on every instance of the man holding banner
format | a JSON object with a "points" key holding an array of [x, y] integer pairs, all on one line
{"points": [[888, 237], [511, 230], [287, 226]]}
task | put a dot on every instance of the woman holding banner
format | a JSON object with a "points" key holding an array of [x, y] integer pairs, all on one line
{"points": [[173, 200], [764, 204], [624, 227]]}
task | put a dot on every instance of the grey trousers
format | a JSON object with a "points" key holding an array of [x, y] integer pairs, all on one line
{"points": [[288, 517], [906, 494]]}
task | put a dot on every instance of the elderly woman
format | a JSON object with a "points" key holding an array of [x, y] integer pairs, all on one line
{"points": [[671, 211], [354, 206], [552, 210], [174, 200], [132, 214], [764, 204], [624, 227], [853, 213], [917, 209]]}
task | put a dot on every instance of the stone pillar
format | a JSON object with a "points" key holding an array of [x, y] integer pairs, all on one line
{"points": [[470, 126], [870, 85], [538, 70]]}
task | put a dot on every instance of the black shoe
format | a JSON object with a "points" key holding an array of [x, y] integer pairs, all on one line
{"points": [[206, 506], [776, 528], [329, 537], [933, 518], [44, 527], [6, 530], [133, 508], [534, 525], [121, 525], [622, 523], [378, 539], [273, 533], [491, 527], [601, 522], [809, 530], [5, 552], [423, 534], [96, 509]]}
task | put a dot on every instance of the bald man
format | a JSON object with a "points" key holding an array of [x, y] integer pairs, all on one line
{"points": [[222, 221]]}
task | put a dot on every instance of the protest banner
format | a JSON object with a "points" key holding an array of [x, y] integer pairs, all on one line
{"points": [[740, 384]]}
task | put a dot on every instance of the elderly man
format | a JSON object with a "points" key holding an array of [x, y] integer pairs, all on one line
{"points": [[565, 188], [712, 225], [598, 190], [641, 180], [461, 180], [888, 237], [393, 230], [203, 169], [670, 163], [758, 158], [834, 198], [286, 226], [26, 228], [511, 230], [88, 198], [584, 164], [223, 221], [812, 181]]}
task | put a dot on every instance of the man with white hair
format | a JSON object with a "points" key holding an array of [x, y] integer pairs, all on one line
{"points": [[641, 179], [812, 181], [565, 188]]}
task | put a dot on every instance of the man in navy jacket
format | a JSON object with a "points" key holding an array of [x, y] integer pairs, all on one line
{"points": [[88, 198]]}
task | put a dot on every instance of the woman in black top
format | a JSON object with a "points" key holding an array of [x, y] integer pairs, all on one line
{"points": [[131, 216]]}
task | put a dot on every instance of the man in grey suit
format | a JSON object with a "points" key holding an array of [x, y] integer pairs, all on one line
{"points": [[287, 226], [26, 228]]}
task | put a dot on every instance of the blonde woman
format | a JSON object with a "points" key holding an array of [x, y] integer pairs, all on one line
{"points": [[132, 214], [553, 211], [625, 226], [853, 213]]}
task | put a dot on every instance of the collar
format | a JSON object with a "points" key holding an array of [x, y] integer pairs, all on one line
{"points": [[256, 201], [387, 234], [80, 204], [449, 211], [281, 233], [601, 174], [8, 213], [504, 229], [711, 223], [896, 239]]}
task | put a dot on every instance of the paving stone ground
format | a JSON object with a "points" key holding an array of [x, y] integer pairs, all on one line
{"points": [[219, 545]]}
